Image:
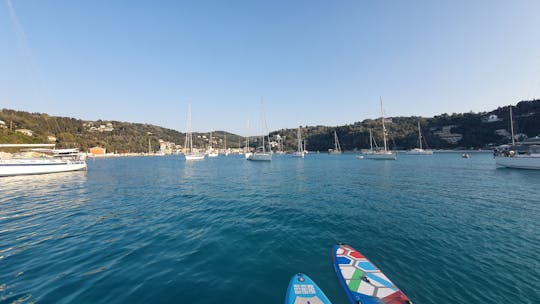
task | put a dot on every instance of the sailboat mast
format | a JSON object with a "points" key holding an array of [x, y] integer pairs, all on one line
{"points": [[264, 125], [370, 140], [383, 127], [189, 130], [299, 134], [419, 136], [247, 138], [512, 126]]}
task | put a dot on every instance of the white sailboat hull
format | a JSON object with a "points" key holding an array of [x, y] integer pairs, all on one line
{"points": [[14, 167], [260, 157], [420, 152], [213, 154], [248, 154], [519, 161], [381, 155], [194, 156], [298, 154]]}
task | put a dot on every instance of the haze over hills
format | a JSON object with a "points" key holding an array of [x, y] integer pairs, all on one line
{"points": [[465, 130]]}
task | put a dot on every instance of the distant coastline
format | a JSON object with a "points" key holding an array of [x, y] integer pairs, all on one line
{"points": [[455, 132]]}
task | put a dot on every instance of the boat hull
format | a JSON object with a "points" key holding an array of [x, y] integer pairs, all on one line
{"points": [[298, 154], [260, 157], [213, 154], [380, 156], [31, 167], [194, 157], [519, 162], [420, 152]]}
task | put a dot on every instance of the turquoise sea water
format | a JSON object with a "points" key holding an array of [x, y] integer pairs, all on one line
{"points": [[225, 230]]}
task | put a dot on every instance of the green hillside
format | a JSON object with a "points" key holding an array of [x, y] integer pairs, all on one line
{"points": [[474, 128], [76, 133], [467, 130]]}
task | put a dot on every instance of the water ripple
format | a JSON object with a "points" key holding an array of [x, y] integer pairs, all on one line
{"points": [[230, 231]]}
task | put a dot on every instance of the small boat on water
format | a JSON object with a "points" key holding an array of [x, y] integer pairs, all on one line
{"points": [[261, 154], [211, 152], [465, 155], [190, 153], [337, 146], [42, 161], [522, 155], [377, 153], [300, 149], [420, 150]]}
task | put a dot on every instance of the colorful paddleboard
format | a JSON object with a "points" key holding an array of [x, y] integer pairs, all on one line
{"points": [[363, 282], [302, 290]]}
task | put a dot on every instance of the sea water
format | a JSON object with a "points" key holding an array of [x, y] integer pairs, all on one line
{"points": [[226, 230]]}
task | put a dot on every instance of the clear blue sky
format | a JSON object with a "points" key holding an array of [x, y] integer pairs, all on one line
{"points": [[318, 62]]}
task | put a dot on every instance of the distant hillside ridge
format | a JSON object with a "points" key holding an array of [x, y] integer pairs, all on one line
{"points": [[115, 136], [455, 131]]}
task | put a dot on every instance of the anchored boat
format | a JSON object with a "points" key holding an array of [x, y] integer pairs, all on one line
{"points": [[380, 154], [522, 155], [42, 161], [189, 153]]}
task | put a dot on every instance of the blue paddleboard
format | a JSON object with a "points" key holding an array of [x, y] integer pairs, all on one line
{"points": [[302, 290]]}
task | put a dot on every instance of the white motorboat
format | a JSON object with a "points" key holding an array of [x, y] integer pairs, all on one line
{"points": [[377, 153], [420, 150], [48, 161]]}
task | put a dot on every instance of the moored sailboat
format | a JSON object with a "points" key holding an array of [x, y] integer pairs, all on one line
{"points": [[380, 154], [300, 149], [420, 150], [211, 152], [189, 152], [522, 155], [261, 154], [337, 146]]}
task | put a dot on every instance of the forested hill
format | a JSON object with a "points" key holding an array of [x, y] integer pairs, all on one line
{"points": [[115, 136], [455, 131]]}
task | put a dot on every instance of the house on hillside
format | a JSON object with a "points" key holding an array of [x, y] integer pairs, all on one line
{"points": [[51, 138], [25, 132], [490, 118], [97, 151], [2, 124], [167, 147], [447, 135]]}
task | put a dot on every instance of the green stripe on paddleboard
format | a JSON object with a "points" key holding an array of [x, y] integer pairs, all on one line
{"points": [[356, 279]]}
